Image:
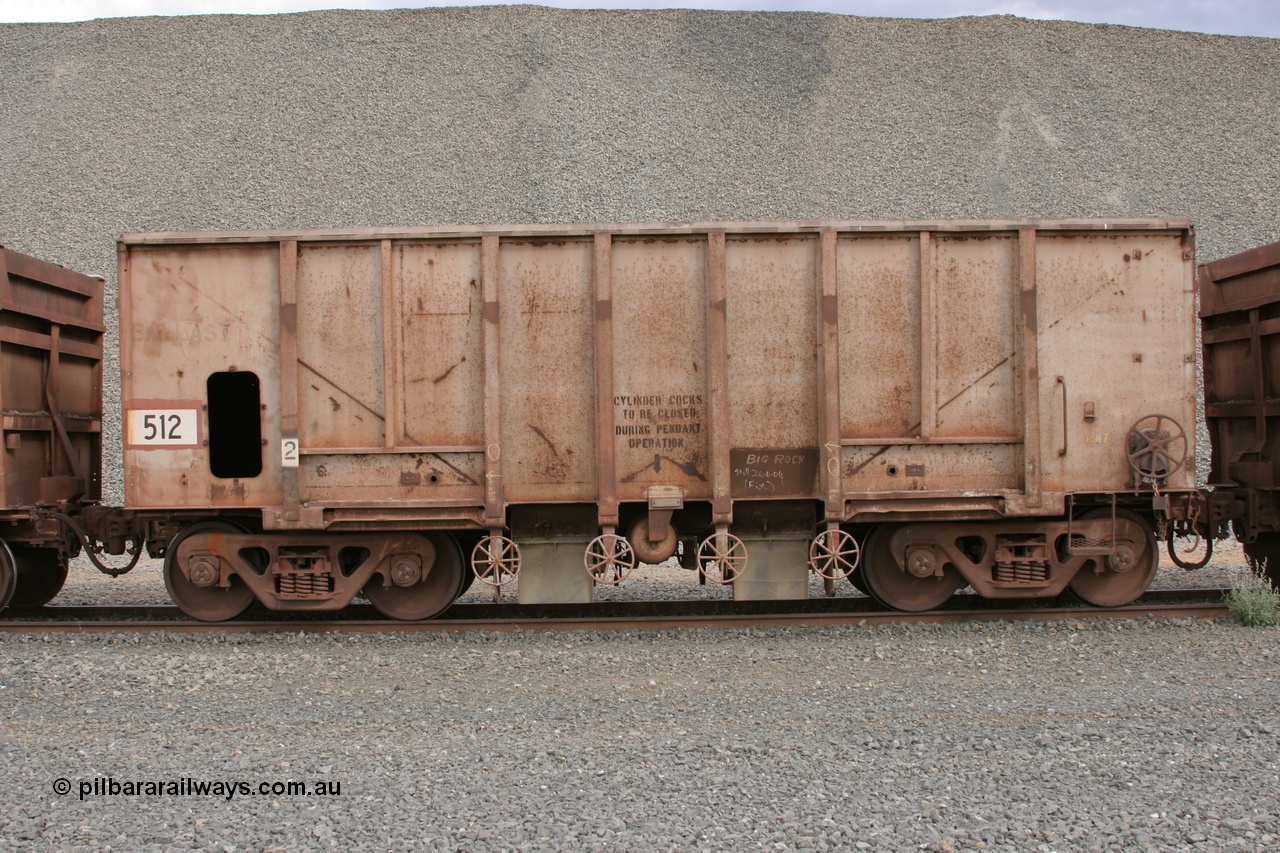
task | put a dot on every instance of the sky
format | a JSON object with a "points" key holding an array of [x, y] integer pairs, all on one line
{"points": [[1222, 17]]}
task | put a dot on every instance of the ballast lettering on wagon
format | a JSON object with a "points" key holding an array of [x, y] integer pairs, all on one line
{"points": [[189, 334]]}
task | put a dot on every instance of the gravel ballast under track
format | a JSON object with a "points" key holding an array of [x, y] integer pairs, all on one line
{"points": [[1147, 735], [1091, 735]]}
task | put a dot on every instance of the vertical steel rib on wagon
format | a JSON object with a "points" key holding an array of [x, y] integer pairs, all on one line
{"points": [[917, 406]]}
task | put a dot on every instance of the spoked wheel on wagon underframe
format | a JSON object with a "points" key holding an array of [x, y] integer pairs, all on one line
{"points": [[912, 588], [1124, 576], [420, 588], [193, 575], [41, 572]]}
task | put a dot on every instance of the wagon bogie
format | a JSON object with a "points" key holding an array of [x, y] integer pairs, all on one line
{"points": [[215, 570], [1106, 555]]}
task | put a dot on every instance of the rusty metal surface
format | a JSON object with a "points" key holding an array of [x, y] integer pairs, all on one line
{"points": [[1240, 316], [187, 312], [548, 374], [443, 365], [772, 342], [973, 303], [50, 384], [879, 299], [1115, 317], [661, 398], [340, 352]]}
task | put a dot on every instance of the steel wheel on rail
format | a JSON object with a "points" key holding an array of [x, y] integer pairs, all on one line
{"points": [[8, 574], [894, 586], [205, 601], [856, 578], [41, 572], [428, 591], [1126, 574]]}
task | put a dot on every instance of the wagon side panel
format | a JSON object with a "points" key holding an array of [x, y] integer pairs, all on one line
{"points": [[1116, 331], [661, 396], [928, 364], [340, 356], [443, 360], [547, 371], [880, 350], [772, 365], [200, 355]]}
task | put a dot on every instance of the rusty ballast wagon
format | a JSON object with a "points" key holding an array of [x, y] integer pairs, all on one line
{"points": [[1000, 404], [51, 329]]}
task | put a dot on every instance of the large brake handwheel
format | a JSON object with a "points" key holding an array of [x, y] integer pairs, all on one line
{"points": [[1157, 447]]}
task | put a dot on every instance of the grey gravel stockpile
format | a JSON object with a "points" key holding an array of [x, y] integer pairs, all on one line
{"points": [[523, 114], [1152, 735]]}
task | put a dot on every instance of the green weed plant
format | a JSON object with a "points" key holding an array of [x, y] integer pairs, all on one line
{"points": [[1254, 602]]}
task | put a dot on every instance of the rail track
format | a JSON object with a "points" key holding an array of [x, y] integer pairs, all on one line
{"points": [[618, 616]]}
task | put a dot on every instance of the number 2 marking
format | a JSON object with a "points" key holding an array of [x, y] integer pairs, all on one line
{"points": [[289, 452]]}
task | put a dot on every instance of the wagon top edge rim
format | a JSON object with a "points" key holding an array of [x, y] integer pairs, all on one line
{"points": [[574, 230]]}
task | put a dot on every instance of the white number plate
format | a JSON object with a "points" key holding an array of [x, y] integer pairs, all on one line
{"points": [[177, 427]]}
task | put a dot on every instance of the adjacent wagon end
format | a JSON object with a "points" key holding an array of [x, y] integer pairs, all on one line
{"points": [[51, 404]]}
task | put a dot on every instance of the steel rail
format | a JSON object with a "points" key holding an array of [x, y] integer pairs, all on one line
{"points": [[623, 616]]}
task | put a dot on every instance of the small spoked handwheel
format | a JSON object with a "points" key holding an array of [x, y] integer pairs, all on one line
{"points": [[609, 559], [1157, 447], [834, 554], [722, 558], [495, 560]]}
